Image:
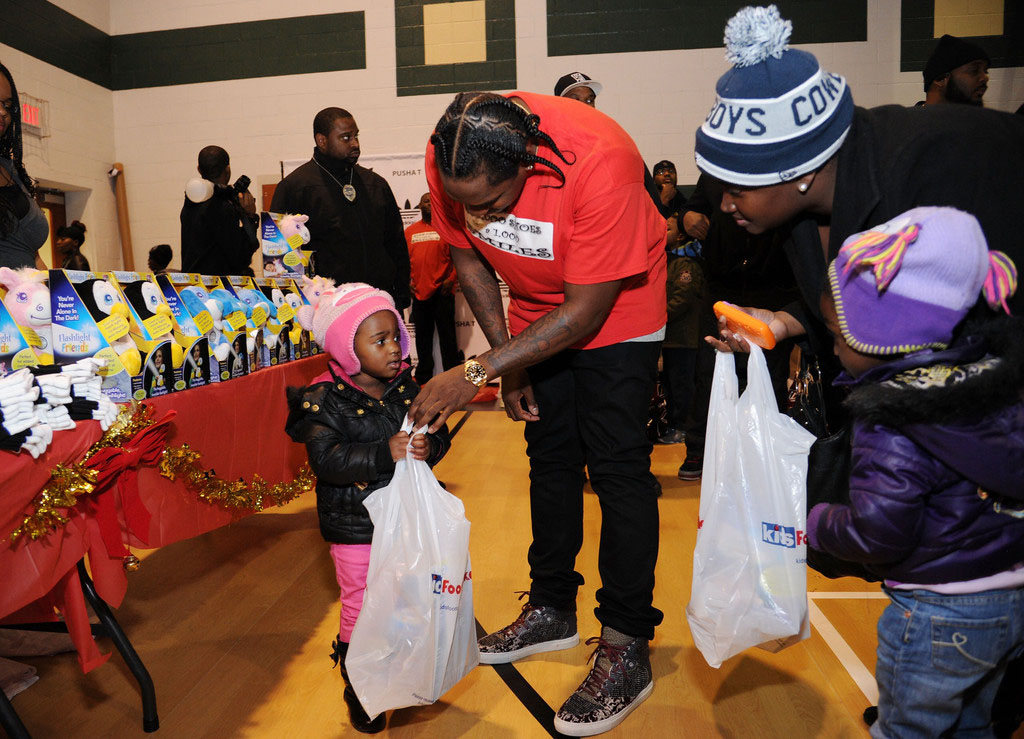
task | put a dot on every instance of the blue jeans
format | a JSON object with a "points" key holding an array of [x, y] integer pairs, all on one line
{"points": [[941, 659]]}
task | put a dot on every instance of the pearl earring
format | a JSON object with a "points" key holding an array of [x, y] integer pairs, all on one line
{"points": [[802, 187]]}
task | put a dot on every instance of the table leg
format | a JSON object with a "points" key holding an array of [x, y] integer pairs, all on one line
{"points": [[150, 720], [10, 721]]}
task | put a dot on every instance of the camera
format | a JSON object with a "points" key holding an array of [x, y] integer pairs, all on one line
{"points": [[199, 190], [241, 185], [231, 192]]}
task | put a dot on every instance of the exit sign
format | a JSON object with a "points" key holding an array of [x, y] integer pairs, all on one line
{"points": [[34, 115], [31, 115]]}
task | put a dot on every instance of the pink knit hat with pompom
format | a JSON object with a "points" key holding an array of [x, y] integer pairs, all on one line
{"points": [[336, 320]]}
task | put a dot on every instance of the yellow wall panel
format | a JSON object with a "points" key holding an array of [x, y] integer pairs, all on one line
{"points": [[455, 33]]}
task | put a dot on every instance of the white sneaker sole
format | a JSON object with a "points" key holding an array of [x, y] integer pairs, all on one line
{"points": [[501, 658], [607, 724]]}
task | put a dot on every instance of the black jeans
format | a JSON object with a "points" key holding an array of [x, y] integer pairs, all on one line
{"points": [[678, 366], [593, 411], [437, 310]]}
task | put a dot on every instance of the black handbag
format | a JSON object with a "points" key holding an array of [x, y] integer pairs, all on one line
{"points": [[828, 465]]}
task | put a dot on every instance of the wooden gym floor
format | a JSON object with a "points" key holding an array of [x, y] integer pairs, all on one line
{"points": [[235, 627]]}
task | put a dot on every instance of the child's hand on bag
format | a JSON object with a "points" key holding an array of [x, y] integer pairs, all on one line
{"points": [[399, 442], [420, 447]]}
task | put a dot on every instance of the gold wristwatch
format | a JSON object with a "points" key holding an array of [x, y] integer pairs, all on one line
{"points": [[475, 373]]}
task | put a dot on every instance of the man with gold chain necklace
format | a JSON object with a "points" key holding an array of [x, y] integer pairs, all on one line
{"points": [[354, 221]]}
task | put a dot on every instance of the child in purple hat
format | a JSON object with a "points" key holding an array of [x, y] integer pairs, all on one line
{"points": [[350, 418], [937, 478]]}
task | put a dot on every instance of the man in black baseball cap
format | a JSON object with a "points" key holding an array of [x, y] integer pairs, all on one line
{"points": [[671, 200], [578, 86], [956, 72]]}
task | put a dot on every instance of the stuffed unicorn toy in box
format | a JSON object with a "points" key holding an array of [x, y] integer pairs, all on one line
{"points": [[317, 290], [28, 301], [294, 225]]}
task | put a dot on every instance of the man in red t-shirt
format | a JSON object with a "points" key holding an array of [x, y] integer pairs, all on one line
{"points": [[433, 294], [549, 194]]}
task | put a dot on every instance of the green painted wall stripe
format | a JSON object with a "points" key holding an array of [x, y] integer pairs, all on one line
{"points": [[282, 46], [607, 27], [319, 43], [51, 34]]}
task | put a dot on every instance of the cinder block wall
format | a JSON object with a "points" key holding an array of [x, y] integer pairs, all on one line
{"points": [[395, 66]]}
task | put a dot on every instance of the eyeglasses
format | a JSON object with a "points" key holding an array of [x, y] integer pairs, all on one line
{"points": [[9, 107]]}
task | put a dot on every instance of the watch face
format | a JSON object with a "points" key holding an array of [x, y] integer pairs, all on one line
{"points": [[476, 373]]}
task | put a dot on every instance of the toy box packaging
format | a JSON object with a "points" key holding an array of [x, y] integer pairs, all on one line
{"points": [[310, 289], [15, 350], [25, 312], [232, 325], [151, 326], [192, 331], [281, 239], [285, 292], [279, 346], [91, 318], [258, 311]]}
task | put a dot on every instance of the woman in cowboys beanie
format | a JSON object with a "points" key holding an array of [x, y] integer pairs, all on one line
{"points": [[794, 153]]}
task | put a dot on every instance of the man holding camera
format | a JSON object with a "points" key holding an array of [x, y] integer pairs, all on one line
{"points": [[354, 221], [218, 226]]}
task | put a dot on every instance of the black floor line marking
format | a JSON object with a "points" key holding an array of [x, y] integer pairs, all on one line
{"points": [[460, 424], [524, 692], [521, 689]]}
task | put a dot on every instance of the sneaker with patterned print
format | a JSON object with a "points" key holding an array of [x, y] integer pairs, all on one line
{"points": [[619, 681], [538, 629]]}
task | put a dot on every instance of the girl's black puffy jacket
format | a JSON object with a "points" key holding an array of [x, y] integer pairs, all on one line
{"points": [[346, 435]]}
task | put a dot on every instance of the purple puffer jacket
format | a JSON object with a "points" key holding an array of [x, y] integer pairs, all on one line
{"points": [[937, 480]]}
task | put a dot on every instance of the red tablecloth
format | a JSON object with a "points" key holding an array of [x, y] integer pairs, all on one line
{"points": [[237, 427]]}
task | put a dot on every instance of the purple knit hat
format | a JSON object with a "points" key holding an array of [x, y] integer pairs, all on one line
{"points": [[337, 319], [907, 284]]}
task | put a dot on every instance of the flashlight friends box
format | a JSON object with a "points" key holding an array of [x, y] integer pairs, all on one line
{"points": [[18, 346], [282, 236], [92, 318], [231, 323], [152, 327], [279, 334], [193, 329], [257, 311]]}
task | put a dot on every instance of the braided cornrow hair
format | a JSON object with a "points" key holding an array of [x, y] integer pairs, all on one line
{"points": [[488, 131], [10, 148]]}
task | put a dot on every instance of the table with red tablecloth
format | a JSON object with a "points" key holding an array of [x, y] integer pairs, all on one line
{"points": [[236, 429]]}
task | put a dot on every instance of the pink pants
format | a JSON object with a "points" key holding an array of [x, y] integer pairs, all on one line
{"points": [[351, 561]]}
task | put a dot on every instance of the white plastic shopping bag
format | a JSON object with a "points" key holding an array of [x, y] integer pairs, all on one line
{"points": [[749, 564], [415, 636]]}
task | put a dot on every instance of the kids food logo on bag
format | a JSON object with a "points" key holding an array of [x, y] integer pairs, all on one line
{"points": [[782, 536], [442, 586]]}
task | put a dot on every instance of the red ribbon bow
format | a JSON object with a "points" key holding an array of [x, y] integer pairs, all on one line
{"points": [[121, 465]]}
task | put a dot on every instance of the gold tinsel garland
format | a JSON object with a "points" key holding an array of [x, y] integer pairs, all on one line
{"points": [[68, 483], [232, 494]]}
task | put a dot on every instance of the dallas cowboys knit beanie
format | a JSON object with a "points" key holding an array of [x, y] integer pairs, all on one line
{"points": [[778, 115]]}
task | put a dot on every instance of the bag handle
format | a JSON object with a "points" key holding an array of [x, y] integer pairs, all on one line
{"points": [[407, 427]]}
